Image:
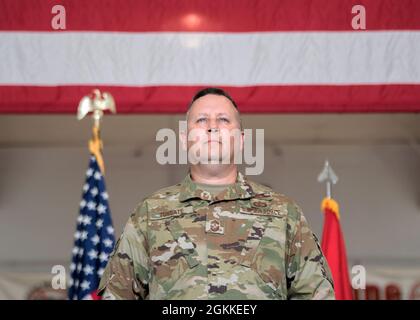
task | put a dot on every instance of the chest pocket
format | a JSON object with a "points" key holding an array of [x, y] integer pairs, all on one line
{"points": [[264, 248], [172, 251]]}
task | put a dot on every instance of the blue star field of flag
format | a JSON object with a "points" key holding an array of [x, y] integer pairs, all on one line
{"points": [[94, 238]]}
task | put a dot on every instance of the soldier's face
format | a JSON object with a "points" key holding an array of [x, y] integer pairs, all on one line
{"points": [[214, 131]]}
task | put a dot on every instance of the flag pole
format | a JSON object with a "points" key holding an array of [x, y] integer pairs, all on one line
{"points": [[328, 176], [333, 245], [94, 238], [96, 103]]}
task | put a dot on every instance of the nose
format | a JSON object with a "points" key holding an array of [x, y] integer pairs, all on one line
{"points": [[212, 126]]}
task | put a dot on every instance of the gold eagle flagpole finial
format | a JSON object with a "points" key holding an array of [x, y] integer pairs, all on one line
{"points": [[96, 103]]}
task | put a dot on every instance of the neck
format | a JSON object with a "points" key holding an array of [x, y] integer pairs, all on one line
{"points": [[214, 174]]}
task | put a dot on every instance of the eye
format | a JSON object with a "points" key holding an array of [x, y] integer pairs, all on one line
{"points": [[224, 119], [201, 120]]}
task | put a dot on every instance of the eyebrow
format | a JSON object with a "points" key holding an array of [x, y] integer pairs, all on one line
{"points": [[206, 114]]}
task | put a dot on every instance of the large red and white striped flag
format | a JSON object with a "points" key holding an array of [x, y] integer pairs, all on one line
{"points": [[272, 56]]}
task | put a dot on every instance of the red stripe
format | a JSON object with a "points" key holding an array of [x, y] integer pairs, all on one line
{"points": [[209, 16], [261, 99]]}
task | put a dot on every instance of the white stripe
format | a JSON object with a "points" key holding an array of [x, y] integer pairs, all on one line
{"points": [[138, 59]]}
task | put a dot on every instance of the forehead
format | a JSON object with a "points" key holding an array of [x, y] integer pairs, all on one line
{"points": [[212, 103]]}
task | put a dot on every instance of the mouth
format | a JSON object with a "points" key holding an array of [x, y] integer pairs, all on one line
{"points": [[211, 141]]}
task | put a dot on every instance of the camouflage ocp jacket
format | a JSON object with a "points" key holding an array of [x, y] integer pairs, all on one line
{"points": [[247, 242]]}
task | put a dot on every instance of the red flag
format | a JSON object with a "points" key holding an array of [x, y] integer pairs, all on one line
{"points": [[334, 249]]}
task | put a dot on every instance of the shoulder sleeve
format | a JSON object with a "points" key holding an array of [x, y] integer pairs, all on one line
{"points": [[308, 274], [127, 273]]}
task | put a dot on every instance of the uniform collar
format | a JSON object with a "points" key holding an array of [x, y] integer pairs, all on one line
{"points": [[239, 190]]}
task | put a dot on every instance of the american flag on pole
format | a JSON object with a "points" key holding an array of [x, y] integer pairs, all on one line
{"points": [[94, 238]]}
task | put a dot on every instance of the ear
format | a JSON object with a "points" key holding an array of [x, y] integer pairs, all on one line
{"points": [[241, 145]]}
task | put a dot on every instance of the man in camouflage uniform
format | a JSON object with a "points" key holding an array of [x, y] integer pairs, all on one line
{"points": [[217, 234]]}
